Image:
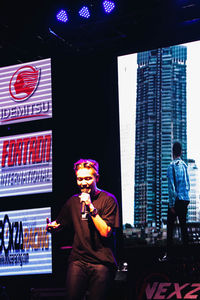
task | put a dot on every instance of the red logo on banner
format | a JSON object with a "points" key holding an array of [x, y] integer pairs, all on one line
{"points": [[23, 83]]}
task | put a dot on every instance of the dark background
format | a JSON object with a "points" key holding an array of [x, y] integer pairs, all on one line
{"points": [[85, 119]]}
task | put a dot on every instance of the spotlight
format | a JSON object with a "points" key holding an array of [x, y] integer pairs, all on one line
{"points": [[108, 6], [84, 12], [62, 16]]}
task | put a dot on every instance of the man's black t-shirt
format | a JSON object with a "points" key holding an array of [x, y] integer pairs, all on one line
{"points": [[88, 244]]}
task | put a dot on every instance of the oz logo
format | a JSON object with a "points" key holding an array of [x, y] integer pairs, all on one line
{"points": [[23, 83]]}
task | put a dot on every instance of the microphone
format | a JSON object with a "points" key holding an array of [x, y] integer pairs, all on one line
{"points": [[83, 208], [84, 196]]}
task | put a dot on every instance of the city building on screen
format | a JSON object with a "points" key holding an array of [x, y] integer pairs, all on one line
{"points": [[194, 206], [161, 119]]}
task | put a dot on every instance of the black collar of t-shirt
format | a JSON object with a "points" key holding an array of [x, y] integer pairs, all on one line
{"points": [[95, 195]]}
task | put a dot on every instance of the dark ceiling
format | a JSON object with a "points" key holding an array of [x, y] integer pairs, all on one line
{"points": [[31, 28]]}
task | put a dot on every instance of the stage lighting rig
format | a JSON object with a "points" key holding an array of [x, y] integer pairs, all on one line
{"points": [[108, 6], [62, 16], [84, 12], [89, 9]]}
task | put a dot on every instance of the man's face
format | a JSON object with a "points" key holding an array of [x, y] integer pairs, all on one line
{"points": [[86, 180]]}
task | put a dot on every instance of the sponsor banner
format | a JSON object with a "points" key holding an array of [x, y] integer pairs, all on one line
{"points": [[25, 92], [172, 290], [25, 245], [26, 164], [171, 280]]}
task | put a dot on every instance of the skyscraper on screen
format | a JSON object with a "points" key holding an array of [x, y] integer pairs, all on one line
{"points": [[161, 119]]}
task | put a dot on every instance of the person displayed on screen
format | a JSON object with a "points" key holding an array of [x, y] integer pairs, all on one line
{"points": [[178, 188], [94, 214]]}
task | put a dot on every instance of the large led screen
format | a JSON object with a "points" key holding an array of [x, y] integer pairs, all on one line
{"points": [[26, 164], [158, 105], [25, 92], [25, 245]]}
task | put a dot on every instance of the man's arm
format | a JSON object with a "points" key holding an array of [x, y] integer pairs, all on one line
{"points": [[99, 223], [171, 186]]}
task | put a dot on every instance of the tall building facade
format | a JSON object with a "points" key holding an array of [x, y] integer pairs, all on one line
{"points": [[194, 206], [160, 121]]}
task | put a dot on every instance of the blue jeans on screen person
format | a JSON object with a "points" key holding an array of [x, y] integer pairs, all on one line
{"points": [[92, 280]]}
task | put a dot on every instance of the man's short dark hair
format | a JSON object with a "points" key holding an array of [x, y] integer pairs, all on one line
{"points": [[87, 163], [177, 149]]}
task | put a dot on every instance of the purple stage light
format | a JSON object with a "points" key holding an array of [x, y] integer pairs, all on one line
{"points": [[84, 12], [62, 16], [108, 6]]}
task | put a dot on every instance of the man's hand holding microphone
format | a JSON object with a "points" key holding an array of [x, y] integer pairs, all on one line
{"points": [[85, 200]]}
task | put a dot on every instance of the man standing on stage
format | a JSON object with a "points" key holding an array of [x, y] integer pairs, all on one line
{"points": [[178, 186], [94, 214]]}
